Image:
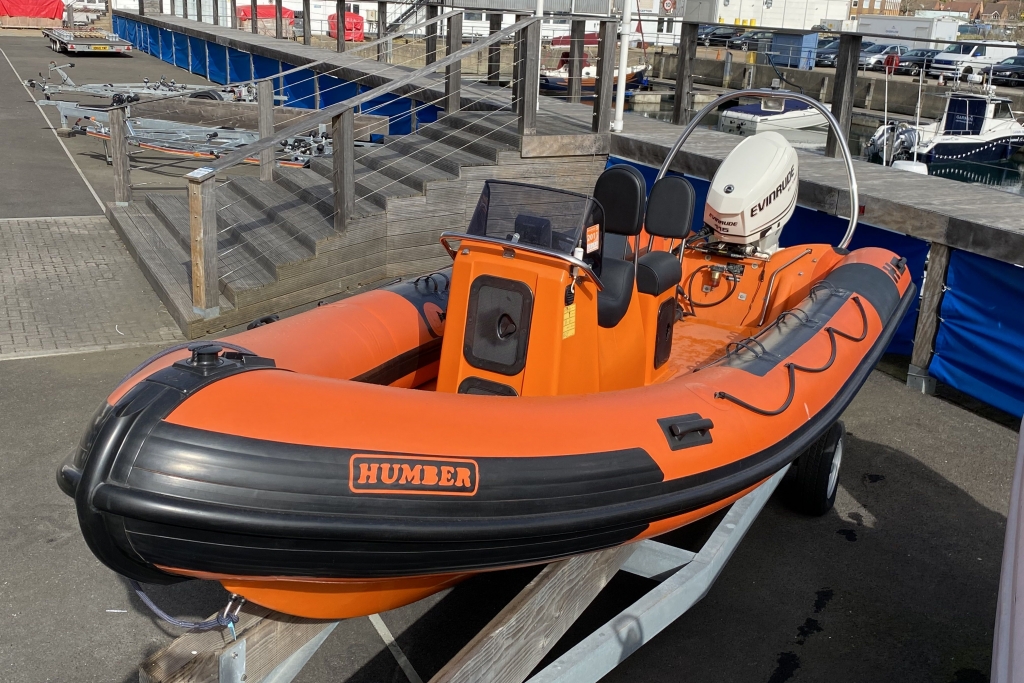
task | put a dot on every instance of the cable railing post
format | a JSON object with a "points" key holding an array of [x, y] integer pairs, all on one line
{"points": [[494, 51], [530, 81], [453, 72], [307, 23], [517, 67], [382, 27], [255, 16], [278, 19], [265, 112], [577, 39], [431, 48], [344, 160], [605, 77], [339, 12], [685, 56], [202, 223], [842, 91], [119, 155]]}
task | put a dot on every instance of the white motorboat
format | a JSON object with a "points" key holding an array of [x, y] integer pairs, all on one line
{"points": [[748, 119]]}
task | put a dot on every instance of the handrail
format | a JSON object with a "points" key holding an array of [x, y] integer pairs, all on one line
{"points": [[531, 248], [327, 113]]}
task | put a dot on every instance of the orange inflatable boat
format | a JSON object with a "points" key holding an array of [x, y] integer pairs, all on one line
{"points": [[588, 373]]}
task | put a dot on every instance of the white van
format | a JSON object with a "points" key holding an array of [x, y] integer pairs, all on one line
{"points": [[968, 58]]}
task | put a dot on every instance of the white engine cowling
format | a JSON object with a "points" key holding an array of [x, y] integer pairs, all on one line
{"points": [[754, 192]]}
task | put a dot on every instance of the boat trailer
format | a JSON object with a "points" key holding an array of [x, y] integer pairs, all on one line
{"points": [[269, 647], [85, 40]]}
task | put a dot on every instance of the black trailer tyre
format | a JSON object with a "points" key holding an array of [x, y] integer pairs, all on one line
{"points": [[813, 487]]}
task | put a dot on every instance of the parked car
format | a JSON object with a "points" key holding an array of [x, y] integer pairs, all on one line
{"points": [[914, 61], [968, 58], [827, 55], [720, 35], [827, 41], [873, 57], [1007, 72], [750, 40]]}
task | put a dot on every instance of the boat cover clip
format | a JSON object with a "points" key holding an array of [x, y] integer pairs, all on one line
{"points": [[686, 431]]}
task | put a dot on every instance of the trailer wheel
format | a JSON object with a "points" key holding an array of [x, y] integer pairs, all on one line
{"points": [[813, 486], [203, 95]]}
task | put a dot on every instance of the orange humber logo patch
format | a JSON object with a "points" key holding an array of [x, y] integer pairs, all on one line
{"points": [[412, 475]]}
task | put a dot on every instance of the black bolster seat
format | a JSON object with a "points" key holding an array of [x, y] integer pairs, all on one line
{"points": [[622, 193], [669, 215]]}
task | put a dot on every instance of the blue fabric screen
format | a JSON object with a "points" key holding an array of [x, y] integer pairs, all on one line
{"points": [[167, 46], [808, 226], [217, 59], [154, 40], [978, 347], [197, 53], [299, 87], [397, 108], [262, 67], [239, 66], [130, 30], [334, 90], [181, 59], [117, 25]]}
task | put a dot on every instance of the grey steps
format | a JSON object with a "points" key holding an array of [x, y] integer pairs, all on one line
{"points": [[436, 154], [237, 268], [467, 141], [286, 209], [374, 186], [318, 191], [499, 127], [393, 164], [271, 246]]}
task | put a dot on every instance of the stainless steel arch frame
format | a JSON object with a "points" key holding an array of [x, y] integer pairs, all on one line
{"points": [[763, 94]]}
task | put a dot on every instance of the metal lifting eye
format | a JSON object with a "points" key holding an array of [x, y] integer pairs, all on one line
{"points": [[506, 326]]}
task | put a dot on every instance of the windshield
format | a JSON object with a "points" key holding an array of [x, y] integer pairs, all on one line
{"points": [[875, 49], [959, 49], [832, 44], [541, 217]]}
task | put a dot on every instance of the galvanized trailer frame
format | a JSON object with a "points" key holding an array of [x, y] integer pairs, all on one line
{"points": [[122, 93], [273, 648], [85, 40]]}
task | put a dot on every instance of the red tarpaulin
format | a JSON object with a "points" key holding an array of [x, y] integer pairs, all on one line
{"points": [[353, 27], [39, 9], [262, 12], [563, 41]]}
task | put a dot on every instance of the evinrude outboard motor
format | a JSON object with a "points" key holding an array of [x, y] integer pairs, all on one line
{"points": [[753, 194]]}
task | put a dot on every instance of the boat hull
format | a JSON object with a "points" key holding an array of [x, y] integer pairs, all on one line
{"points": [[559, 84], [997, 149]]}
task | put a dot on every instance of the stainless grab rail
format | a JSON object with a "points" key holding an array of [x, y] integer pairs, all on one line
{"points": [[519, 246], [764, 94]]}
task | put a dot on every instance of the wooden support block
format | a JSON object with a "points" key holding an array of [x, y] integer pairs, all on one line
{"points": [[494, 51], [265, 107], [842, 91], [928, 319], [453, 72], [343, 138], [605, 77], [516, 640], [202, 212], [577, 40], [119, 156], [686, 55], [530, 79]]}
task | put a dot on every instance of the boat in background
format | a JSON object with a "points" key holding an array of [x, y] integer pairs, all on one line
{"points": [[557, 79], [750, 119]]}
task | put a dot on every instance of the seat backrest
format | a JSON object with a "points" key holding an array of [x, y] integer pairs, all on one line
{"points": [[622, 193], [670, 208]]}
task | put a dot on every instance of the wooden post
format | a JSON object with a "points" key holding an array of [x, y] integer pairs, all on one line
{"points": [[928, 319], [234, 15], [344, 157], [577, 41], [494, 52], [142, 9], [431, 55], [199, 13], [174, 10], [278, 20], [726, 68], [453, 72], [517, 71], [216, 12], [202, 222], [119, 156], [530, 79], [871, 93], [382, 25], [307, 23], [339, 12], [265, 113], [605, 77], [69, 17], [685, 56], [842, 92], [255, 17], [823, 93]]}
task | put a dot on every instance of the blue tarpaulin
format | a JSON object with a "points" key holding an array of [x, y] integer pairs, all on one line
{"points": [[130, 31], [981, 333], [262, 67], [167, 46], [808, 226], [334, 90], [197, 53], [397, 108], [117, 26], [299, 87], [239, 65], [217, 59], [181, 59]]}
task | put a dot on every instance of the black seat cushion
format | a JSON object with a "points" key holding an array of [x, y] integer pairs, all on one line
{"points": [[613, 301], [670, 208], [622, 193], [658, 272]]}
